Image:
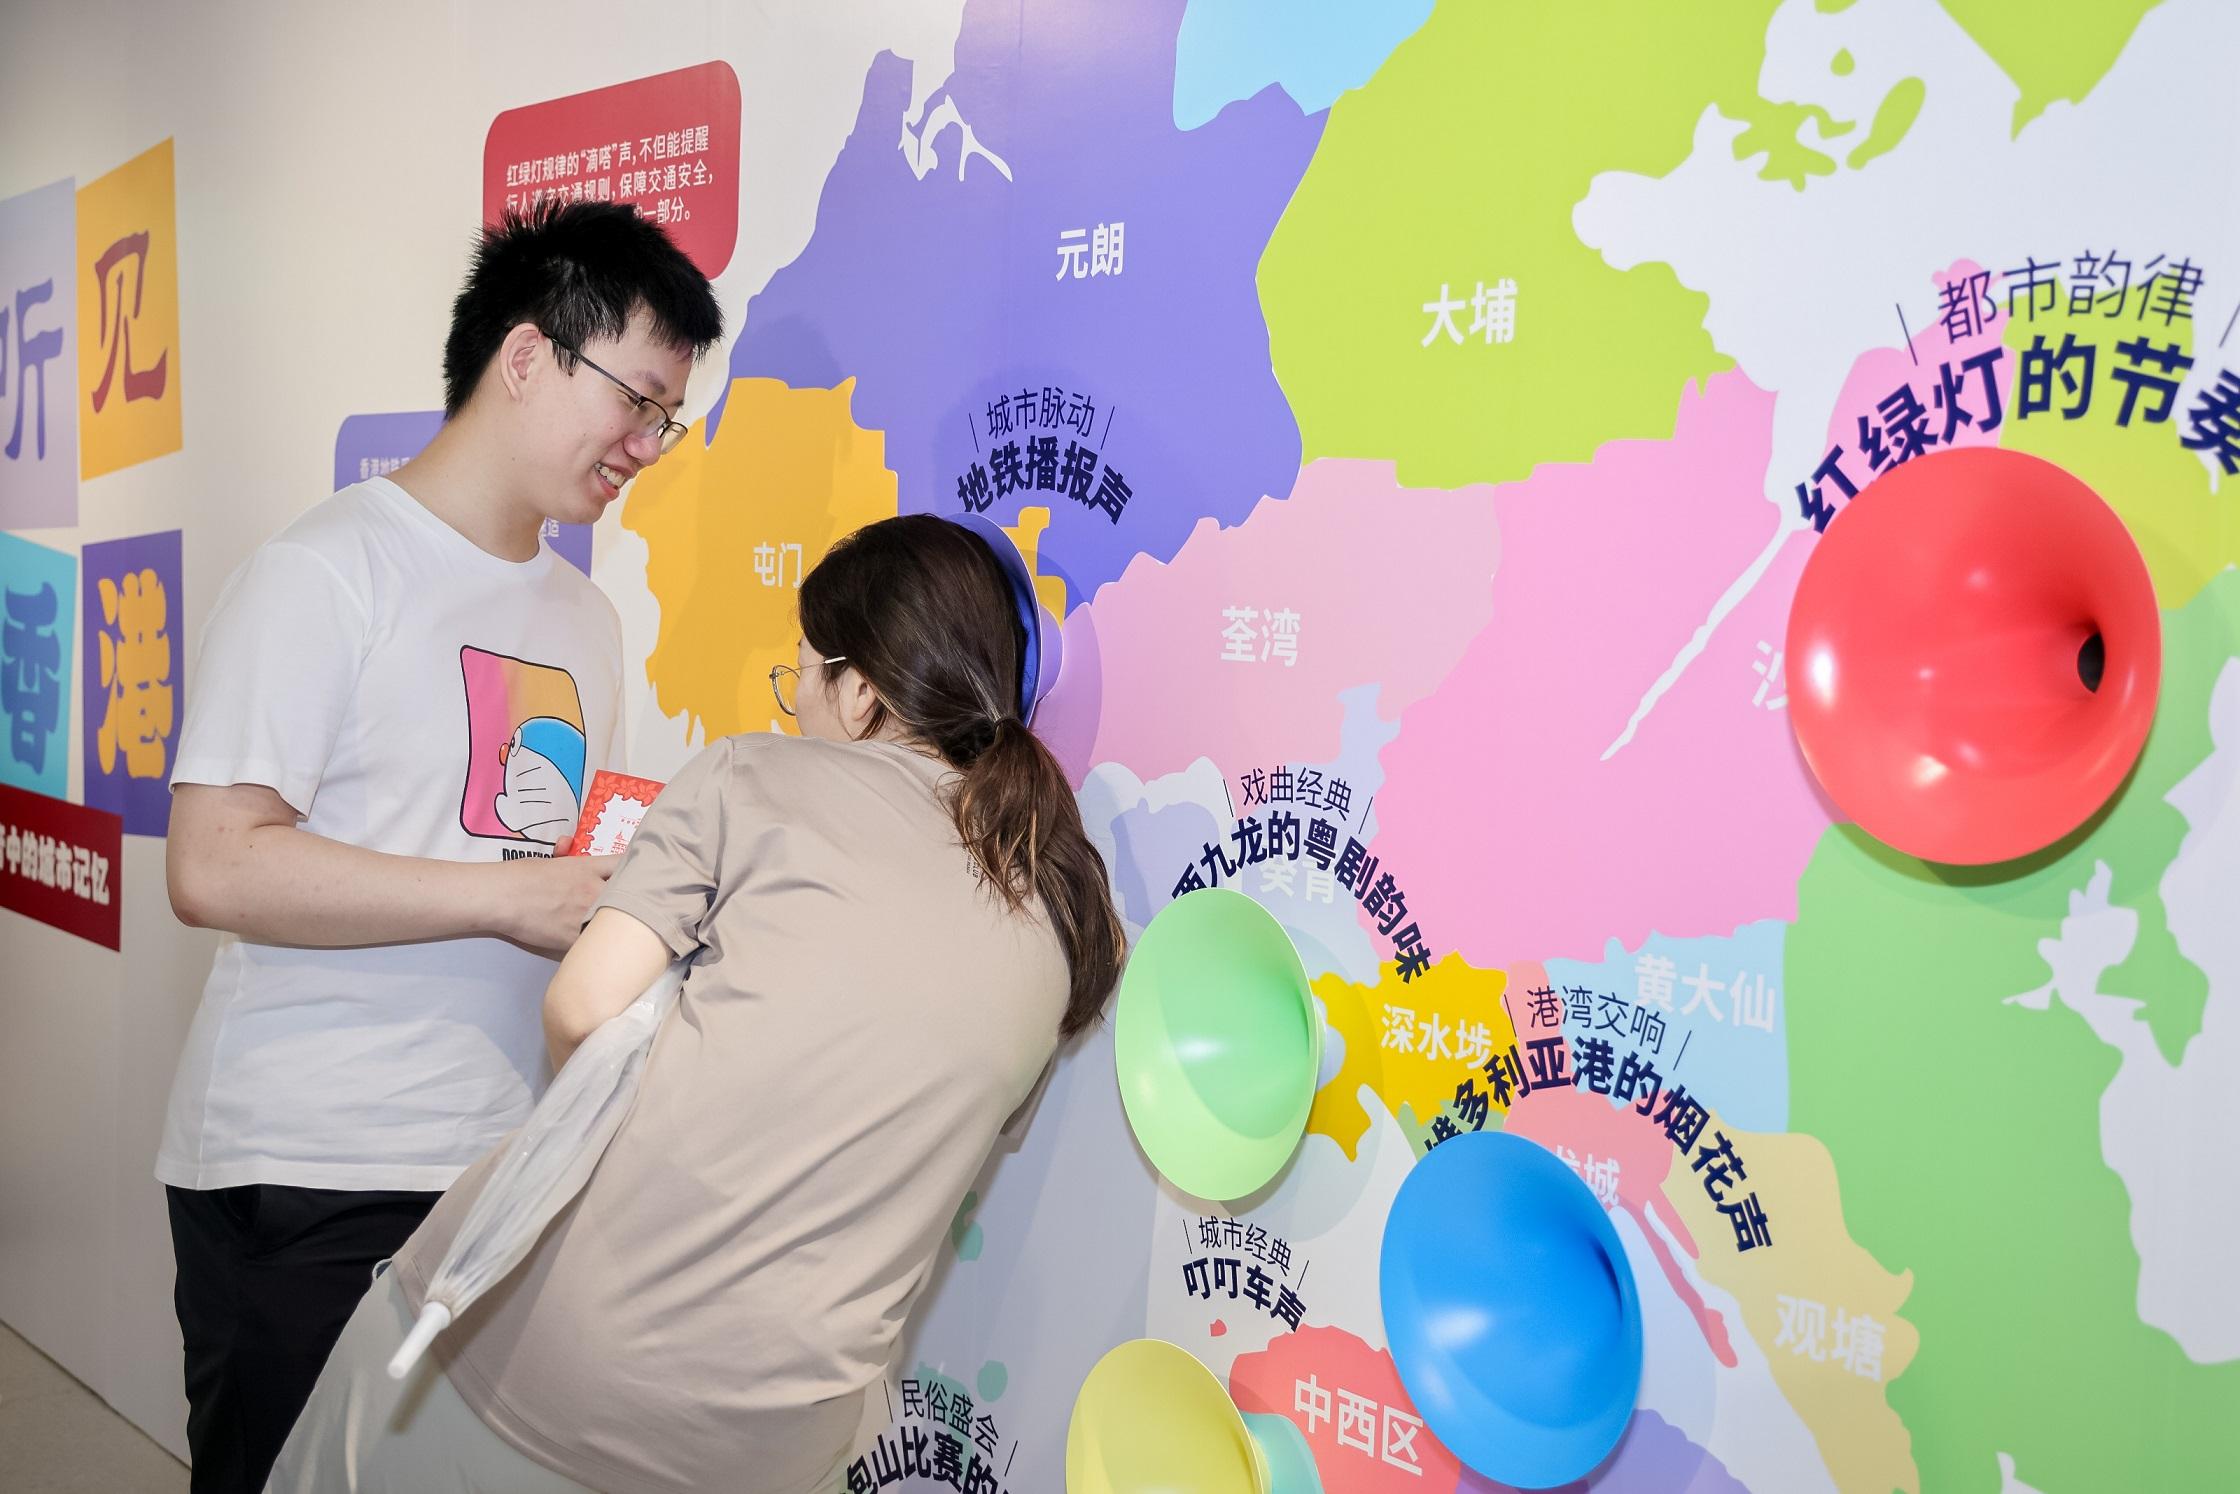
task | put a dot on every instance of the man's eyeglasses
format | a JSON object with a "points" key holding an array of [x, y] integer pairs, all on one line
{"points": [[785, 682], [656, 417]]}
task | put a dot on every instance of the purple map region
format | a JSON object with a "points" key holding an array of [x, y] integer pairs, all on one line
{"points": [[369, 446], [1654, 1457], [1105, 292]]}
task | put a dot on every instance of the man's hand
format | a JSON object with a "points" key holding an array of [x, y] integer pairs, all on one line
{"points": [[549, 900]]}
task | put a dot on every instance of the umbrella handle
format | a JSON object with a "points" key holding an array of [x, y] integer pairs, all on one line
{"points": [[434, 1318]]}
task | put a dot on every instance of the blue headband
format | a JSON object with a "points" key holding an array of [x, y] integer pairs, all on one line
{"points": [[1038, 661]]}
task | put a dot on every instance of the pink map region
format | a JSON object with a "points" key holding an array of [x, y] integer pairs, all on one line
{"points": [[1238, 627], [1520, 835]]}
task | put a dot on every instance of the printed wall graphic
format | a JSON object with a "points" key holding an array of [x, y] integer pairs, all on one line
{"points": [[571, 542], [525, 751], [62, 864], [38, 359], [667, 144], [38, 597], [135, 691], [368, 446], [128, 315]]}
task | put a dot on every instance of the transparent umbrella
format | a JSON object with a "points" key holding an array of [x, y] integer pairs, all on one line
{"points": [[546, 1163]]}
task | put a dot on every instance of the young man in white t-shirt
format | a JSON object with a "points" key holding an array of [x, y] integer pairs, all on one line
{"points": [[400, 701]]}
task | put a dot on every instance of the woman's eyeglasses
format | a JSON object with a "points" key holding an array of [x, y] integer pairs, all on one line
{"points": [[785, 682]]}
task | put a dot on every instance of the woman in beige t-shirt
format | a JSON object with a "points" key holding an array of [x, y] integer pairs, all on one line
{"points": [[892, 921]]}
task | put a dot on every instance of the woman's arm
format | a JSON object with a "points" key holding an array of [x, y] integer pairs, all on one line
{"points": [[608, 967]]}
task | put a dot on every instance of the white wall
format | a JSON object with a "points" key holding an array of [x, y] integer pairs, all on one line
{"points": [[328, 178]]}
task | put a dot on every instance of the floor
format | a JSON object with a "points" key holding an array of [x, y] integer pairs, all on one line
{"points": [[57, 1437]]}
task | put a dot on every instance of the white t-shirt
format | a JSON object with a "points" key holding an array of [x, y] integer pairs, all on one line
{"points": [[403, 690]]}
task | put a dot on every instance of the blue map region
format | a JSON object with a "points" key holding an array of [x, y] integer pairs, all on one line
{"points": [[1231, 49], [1725, 1033]]}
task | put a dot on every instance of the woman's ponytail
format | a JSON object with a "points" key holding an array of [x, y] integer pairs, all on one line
{"points": [[1016, 815]]}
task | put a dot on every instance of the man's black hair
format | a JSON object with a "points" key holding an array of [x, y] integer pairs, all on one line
{"points": [[578, 271]]}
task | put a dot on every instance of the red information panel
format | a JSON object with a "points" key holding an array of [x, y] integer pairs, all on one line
{"points": [[60, 864], [668, 144]]}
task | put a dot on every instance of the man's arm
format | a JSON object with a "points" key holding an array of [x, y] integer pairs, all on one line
{"points": [[236, 860]]}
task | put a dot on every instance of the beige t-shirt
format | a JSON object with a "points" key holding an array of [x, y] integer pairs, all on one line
{"points": [[861, 1017]]}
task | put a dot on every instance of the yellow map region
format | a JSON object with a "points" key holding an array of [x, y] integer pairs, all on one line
{"points": [[1411, 1043], [1050, 591], [1819, 1305], [732, 526]]}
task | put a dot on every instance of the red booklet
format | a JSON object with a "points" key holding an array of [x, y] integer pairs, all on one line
{"points": [[611, 811]]}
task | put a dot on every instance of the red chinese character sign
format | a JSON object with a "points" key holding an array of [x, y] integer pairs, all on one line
{"points": [[668, 145], [60, 864]]}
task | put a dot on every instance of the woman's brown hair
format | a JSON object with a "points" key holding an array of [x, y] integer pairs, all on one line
{"points": [[923, 610]]}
